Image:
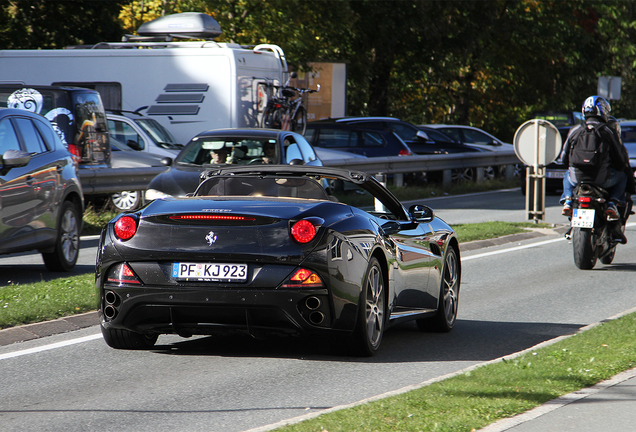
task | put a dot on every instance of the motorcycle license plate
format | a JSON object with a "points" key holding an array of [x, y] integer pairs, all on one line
{"points": [[583, 218]]}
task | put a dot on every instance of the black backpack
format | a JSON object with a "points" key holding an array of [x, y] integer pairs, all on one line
{"points": [[588, 151]]}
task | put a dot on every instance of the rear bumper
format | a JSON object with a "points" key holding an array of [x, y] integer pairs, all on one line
{"points": [[206, 311]]}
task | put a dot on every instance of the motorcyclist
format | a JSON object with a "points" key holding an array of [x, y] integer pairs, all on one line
{"points": [[612, 178]]}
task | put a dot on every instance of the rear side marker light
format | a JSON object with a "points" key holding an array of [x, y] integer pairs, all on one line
{"points": [[122, 274], [212, 217], [125, 227], [304, 278]]}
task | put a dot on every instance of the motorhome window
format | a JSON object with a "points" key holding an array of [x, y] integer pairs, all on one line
{"points": [[8, 137], [32, 138]]}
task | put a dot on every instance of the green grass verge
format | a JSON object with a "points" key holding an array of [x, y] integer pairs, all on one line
{"points": [[43, 301], [477, 398]]}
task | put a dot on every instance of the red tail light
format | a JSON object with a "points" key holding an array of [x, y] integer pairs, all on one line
{"points": [[122, 273], [303, 231], [76, 152], [125, 227], [303, 278], [404, 152], [585, 199]]}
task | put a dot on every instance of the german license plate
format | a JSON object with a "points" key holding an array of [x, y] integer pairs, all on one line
{"points": [[555, 174], [209, 272], [583, 218]]}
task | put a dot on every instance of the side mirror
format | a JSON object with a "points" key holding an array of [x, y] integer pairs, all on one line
{"points": [[15, 159], [421, 213], [296, 162], [422, 135], [167, 161]]}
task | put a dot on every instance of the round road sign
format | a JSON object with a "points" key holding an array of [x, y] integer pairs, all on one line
{"points": [[537, 142]]}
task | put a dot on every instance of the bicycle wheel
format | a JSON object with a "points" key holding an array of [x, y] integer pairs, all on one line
{"points": [[272, 118], [299, 122]]}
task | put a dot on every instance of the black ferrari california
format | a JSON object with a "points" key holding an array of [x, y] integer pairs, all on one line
{"points": [[264, 249]]}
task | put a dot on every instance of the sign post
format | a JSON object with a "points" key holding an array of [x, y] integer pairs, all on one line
{"points": [[537, 143]]}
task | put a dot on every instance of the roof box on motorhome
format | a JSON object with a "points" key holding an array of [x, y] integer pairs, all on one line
{"points": [[184, 25]]}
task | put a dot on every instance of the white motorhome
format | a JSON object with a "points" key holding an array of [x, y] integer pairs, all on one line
{"points": [[188, 87]]}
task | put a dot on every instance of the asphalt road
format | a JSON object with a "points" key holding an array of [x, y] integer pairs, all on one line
{"points": [[513, 296]]}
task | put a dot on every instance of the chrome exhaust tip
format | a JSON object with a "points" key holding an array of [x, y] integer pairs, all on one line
{"points": [[313, 303], [316, 317]]}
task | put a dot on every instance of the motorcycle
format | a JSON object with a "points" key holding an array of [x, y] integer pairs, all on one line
{"points": [[593, 235]]}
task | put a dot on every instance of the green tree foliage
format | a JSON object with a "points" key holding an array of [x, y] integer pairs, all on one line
{"points": [[31, 24]]}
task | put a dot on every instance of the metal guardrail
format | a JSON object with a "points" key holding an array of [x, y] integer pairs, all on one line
{"points": [[437, 162], [111, 180]]}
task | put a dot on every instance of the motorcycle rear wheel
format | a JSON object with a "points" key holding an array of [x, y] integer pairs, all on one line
{"points": [[583, 248]]}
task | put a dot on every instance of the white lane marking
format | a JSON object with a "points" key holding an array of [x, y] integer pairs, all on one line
{"points": [[516, 248], [50, 346]]}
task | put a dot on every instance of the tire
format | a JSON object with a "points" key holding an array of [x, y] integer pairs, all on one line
{"points": [[125, 339], [446, 316], [371, 312], [299, 122], [583, 248], [66, 250], [490, 173], [126, 200], [461, 175], [272, 119]]}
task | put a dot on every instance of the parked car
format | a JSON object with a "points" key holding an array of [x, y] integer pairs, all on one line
{"points": [[76, 114], [388, 136], [262, 249], [41, 195], [142, 134], [123, 156], [355, 138], [238, 146]]}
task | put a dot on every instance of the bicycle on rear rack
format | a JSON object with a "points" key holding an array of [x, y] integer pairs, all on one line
{"points": [[286, 110]]}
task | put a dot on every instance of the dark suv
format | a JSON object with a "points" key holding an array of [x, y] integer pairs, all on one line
{"points": [[420, 142], [41, 196], [76, 114]]}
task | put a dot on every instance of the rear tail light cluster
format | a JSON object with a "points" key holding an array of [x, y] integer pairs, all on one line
{"points": [[303, 231], [122, 274], [303, 278], [126, 227], [76, 152], [405, 152]]}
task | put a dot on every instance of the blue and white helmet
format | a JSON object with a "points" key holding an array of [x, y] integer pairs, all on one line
{"points": [[596, 106]]}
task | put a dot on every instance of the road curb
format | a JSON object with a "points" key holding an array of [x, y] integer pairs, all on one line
{"points": [[48, 328]]}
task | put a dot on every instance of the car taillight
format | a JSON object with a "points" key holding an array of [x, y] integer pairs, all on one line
{"points": [[122, 273], [125, 227], [76, 152], [303, 231], [303, 278], [404, 152]]}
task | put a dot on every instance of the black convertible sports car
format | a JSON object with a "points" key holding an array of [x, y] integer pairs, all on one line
{"points": [[265, 249]]}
